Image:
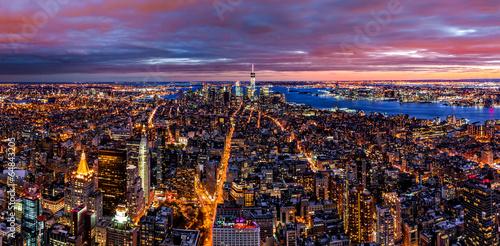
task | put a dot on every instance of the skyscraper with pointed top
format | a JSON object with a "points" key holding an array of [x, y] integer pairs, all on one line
{"points": [[144, 168], [251, 88], [138, 155], [82, 189]]}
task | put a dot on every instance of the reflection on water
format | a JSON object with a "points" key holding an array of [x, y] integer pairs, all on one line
{"points": [[312, 97]]}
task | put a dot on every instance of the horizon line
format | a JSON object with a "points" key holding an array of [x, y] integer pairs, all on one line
{"points": [[265, 81]]}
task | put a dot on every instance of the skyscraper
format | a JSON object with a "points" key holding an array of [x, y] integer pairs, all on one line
{"points": [[155, 226], [135, 195], [251, 88], [121, 232], [82, 190], [237, 89], [82, 225], [321, 182], [291, 235], [264, 90], [32, 225], [410, 234], [138, 155], [144, 169], [480, 218], [384, 226], [392, 201], [360, 216], [112, 177]]}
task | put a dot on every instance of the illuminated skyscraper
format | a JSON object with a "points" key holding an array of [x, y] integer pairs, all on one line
{"points": [[361, 228], [410, 234], [392, 201], [82, 190], [112, 177], [144, 169], [82, 225], [264, 91], [121, 232], [204, 91], [249, 198], [237, 89], [135, 200], [480, 217], [138, 155], [251, 88], [226, 94], [32, 225], [385, 227]]}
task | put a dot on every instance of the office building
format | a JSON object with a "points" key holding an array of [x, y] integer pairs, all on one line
{"points": [[135, 196], [112, 177], [121, 231], [235, 231], [138, 155], [251, 88], [361, 228], [32, 223], [237, 89], [480, 213], [155, 226], [410, 235], [81, 189], [83, 224], [392, 201], [384, 227]]}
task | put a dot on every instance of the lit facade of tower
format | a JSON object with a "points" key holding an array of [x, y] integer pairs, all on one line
{"points": [[82, 225], [135, 201], [31, 225], [410, 234], [251, 88], [392, 201], [361, 228], [265, 90], [112, 175], [480, 218], [121, 232], [144, 168], [385, 227], [138, 155], [237, 89], [82, 190]]}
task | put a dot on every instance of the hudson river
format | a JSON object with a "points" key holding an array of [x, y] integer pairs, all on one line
{"points": [[418, 110]]}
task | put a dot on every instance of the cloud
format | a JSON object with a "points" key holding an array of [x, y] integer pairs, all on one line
{"points": [[188, 39]]}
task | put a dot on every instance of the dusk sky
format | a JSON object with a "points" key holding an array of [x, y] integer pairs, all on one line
{"points": [[108, 40]]}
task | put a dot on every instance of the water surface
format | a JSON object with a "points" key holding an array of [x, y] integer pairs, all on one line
{"points": [[317, 98]]}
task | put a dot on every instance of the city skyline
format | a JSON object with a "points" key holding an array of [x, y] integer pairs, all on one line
{"points": [[218, 40], [131, 164]]}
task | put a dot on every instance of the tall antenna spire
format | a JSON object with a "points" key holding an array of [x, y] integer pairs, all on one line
{"points": [[252, 68]]}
